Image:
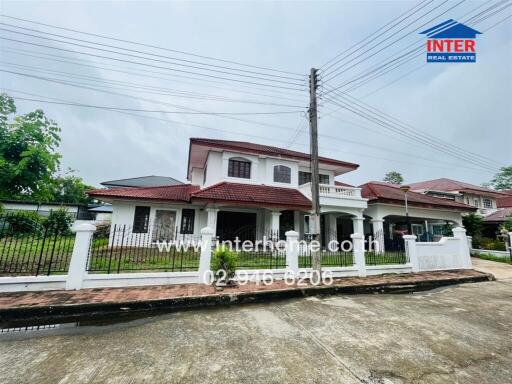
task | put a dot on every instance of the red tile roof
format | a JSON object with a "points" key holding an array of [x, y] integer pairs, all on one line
{"points": [[448, 185], [180, 193], [224, 192], [500, 216], [252, 194], [504, 202], [267, 150], [376, 191]]}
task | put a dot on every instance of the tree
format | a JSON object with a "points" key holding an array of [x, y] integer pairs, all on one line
{"points": [[28, 156], [393, 177], [70, 188], [503, 179], [473, 223]]}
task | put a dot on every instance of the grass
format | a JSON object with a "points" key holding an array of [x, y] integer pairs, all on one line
{"points": [[31, 255], [488, 256]]}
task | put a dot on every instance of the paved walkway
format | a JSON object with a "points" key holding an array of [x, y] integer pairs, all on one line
{"points": [[499, 270], [459, 334], [169, 292]]}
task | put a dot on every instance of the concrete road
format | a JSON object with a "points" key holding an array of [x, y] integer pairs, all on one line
{"points": [[499, 270], [460, 334]]}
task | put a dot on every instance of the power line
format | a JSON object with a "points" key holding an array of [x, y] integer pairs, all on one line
{"points": [[149, 45], [326, 69], [157, 111], [144, 53], [151, 89], [203, 82], [151, 65]]}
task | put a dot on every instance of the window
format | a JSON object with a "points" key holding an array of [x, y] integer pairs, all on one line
{"points": [[239, 168], [187, 221], [305, 177], [141, 220], [487, 203], [282, 174], [476, 203], [437, 229]]}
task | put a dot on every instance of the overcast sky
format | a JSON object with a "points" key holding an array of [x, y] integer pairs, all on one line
{"points": [[468, 105]]}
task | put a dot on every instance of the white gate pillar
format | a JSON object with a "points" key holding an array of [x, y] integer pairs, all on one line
{"points": [[464, 254], [78, 263], [206, 254], [358, 253], [292, 253], [411, 252], [212, 219]]}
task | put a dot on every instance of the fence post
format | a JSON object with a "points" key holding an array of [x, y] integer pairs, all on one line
{"points": [[510, 244], [358, 252], [464, 254], [411, 252], [206, 254], [292, 253], [78, 263]]}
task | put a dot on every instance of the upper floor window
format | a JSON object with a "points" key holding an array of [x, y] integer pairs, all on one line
{"points": [[239, 167], [305, 177], [476, 203], [141, 219], [282, 174], [187, 221], [487, 203]]}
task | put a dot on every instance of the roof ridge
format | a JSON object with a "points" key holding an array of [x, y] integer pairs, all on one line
{"points": [[143, 188]]}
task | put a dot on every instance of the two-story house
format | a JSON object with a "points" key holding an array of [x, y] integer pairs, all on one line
{"points": [[248, 190], [484, 199]]}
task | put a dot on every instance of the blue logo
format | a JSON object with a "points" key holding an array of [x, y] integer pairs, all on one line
{"points": [[451, 42]]}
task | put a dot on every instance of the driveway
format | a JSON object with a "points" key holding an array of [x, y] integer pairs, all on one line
{"points": [[499, 270], [461, 334]]}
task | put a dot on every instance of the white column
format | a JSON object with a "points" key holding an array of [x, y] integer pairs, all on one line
{"points": [[358, 252], [358, 222], [206, 254], [78, 263], [464, 254], [412, 252], [292, 253], [274, 223], [378, 235], [296, 221], [212, 219], [510, 240], [332, 230]]}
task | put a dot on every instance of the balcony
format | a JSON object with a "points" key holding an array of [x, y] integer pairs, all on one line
{"points": [[334, 195]]}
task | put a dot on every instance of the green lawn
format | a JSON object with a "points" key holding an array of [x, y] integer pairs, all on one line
{"points": [[488, 256]]}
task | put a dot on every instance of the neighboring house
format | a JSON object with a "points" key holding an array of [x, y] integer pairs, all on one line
{"points": [[495, 220], [143, 181], [484, 199], [428, 215], [247, 190], [102, 212], [78, 211]]}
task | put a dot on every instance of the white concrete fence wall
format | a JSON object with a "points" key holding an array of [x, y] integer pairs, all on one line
{"points": [[449, 253]]}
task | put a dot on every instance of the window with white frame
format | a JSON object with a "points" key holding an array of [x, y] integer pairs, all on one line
{"points": [[282, 174], [476, 202], [487, 203]]}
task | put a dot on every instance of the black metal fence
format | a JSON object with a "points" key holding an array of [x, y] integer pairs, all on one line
{"points": [[162, 248], [394, 252], [267, 253], [29, 246], [334, 253]]}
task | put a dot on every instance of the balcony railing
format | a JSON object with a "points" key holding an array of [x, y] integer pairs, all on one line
{"points": [[327, 190]]}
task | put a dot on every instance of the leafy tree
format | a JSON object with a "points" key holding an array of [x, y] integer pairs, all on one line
{"points": [[393, 177], [28, 156], [58, 221], [474, 224], [70, 188], [503, 179], [506, 227]]}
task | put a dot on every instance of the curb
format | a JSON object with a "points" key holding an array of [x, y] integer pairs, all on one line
{"points": [[80, 311]]}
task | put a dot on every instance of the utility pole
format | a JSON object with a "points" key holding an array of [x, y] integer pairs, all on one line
{"points": [[316, 262]]}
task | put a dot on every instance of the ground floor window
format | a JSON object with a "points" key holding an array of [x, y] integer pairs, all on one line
{"points": [[141, 219], [187, 221]]}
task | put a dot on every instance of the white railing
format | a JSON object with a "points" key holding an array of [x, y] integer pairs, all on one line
{"points": [[327, 190]]}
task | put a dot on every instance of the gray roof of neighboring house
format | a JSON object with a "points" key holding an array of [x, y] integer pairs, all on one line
{"points": [[102, 208], [143, 181]]}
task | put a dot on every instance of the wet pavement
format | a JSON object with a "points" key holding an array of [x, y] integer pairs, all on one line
{"points": [[457, 334]]}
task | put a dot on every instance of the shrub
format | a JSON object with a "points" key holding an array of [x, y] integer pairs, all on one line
{"points": [[23, 222], [474, 224], [58, 221], [224, 260], [492, 244]]}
